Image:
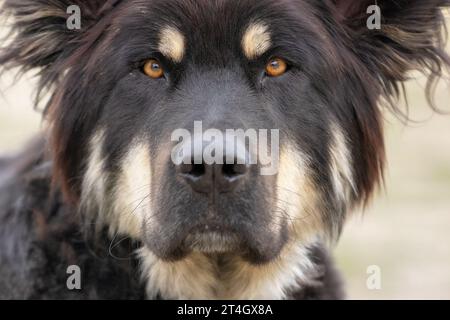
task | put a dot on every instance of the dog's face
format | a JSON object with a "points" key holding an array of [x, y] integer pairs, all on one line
{"points": [[145, 69], [169, 64]]}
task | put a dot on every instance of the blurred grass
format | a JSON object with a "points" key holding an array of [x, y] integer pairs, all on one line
{"points": [[406, 231]]}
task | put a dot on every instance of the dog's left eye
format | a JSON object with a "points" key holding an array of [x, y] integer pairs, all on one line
{"points": [[153, 69], [276, 67]]}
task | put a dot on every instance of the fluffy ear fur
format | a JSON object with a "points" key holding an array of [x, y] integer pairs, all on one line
{"points": [[377, 61], [412, 37], [40, 38]]}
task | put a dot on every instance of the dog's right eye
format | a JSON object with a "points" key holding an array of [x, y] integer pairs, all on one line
{"points": [[276, 67], [153, 69]]}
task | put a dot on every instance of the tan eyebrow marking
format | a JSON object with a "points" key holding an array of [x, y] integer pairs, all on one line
{"points": [[172, 43], [256, 40]]}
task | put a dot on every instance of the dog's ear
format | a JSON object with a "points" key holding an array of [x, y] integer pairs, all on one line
{"points": [[380, 42], [395, 37], [41, 35]]}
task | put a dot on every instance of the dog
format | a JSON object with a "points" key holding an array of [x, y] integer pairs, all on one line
{"points": [[101, 189]]}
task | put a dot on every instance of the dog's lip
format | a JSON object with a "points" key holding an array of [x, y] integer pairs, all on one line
{"points": [[212, 227], [212, 238]]}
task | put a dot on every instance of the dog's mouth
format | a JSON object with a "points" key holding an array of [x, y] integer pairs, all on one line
{"points": [[239, 223], [211, 239], [251, 242]]}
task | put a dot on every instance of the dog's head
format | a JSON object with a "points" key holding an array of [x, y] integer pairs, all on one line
{"points": [[136, 88]]}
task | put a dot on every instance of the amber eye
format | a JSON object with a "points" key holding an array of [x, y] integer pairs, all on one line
{"points": [[153, 69], [276, 67]]}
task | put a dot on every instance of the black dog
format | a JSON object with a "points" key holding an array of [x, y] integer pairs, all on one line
{"points": [[102, 190]]}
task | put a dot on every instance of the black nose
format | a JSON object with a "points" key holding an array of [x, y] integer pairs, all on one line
{"points": [[208, 173], [206, 178]]}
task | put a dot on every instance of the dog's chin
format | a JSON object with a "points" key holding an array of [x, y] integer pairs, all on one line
{"points": [[208, 242], [211, 242], [221, 243]]}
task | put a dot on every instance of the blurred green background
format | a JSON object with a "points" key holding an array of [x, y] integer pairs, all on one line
{"points": [[405, 231]]}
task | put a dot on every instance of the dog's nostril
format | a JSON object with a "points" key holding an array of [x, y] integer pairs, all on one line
{"points": [[194, 170], [222, 176], [197, 170], [233, 170], [205, 178], [228, 170]]}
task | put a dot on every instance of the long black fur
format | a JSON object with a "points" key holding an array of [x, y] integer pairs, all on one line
{"points": [[41, 236], [41, 231]]}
